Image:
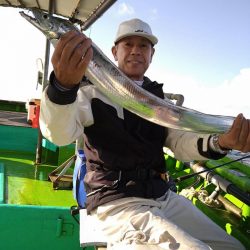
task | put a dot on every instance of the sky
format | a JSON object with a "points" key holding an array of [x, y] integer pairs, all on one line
{"points": [[203, 50]]}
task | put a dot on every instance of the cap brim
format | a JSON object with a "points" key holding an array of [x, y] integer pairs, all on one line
{"points": [[151, 38]]}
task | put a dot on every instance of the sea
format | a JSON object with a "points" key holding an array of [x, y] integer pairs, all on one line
{"points": [[235, 154]]}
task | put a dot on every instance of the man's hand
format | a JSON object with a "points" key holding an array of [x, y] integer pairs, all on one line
{"points": [[238, 137], [71, 58]]}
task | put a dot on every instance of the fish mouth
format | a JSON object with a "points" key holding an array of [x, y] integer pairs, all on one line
{"points": [[35, 19], [28, 18]]}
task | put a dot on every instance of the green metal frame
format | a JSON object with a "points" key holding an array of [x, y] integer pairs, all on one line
{"points": [[37, 227], [2, 185], [233, 225]]}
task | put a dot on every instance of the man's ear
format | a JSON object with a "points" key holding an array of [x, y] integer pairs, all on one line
{"points": [[114, 52], [152, 53]]}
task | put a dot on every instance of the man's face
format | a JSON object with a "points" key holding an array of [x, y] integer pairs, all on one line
{"points": [[133, 54]]}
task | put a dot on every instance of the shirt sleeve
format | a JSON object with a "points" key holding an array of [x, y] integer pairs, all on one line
{"points": [[64, 114], [188, 146]]}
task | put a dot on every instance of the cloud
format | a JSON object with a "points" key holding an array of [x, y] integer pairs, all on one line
{"points": [[231, 97], [153, 13], [125, 9], [236, 91]]}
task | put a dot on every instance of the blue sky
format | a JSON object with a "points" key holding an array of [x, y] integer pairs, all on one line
{"points": [[203, 50]]}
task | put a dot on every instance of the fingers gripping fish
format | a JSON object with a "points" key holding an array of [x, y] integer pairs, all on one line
{"points": [[114, 84]]}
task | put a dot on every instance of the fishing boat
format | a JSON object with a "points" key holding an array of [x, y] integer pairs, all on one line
{"points": [[36, 197], [31, 205]]}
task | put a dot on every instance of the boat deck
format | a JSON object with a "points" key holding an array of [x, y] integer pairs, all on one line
{"points": [[17, 156], [29, 205], [22, 176]]}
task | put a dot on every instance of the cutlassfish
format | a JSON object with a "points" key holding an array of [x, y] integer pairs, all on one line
{"points": [[114, 84]]}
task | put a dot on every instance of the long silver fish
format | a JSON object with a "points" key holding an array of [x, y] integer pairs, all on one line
{"points": [[114, 84]]}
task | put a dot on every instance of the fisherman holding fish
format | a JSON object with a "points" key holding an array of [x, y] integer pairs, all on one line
{"points": [[128, 195]]}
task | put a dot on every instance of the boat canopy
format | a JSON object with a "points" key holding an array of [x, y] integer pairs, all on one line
{"points": [[84, 12]]}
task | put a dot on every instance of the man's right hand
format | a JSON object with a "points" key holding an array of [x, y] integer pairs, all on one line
{"points": [[71, 57]]}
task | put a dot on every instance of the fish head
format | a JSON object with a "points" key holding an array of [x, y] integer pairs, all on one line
{"points": [[51, 26]]}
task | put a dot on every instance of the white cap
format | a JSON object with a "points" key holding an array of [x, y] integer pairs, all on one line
{"points": [[135, 27]]}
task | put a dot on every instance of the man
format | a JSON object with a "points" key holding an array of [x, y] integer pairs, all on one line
{"points": [[125, 161]]}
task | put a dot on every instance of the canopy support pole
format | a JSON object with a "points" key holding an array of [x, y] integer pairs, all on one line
{"points": [[44, 84]]}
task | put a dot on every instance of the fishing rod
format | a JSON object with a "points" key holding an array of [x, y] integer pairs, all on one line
{"points": [[217, 180], [182, 178]]}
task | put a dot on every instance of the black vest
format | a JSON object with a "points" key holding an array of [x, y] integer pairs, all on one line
{"points": [[130, 152]]}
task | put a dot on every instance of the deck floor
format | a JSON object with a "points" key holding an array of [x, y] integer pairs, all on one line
{"points": [[27, 183]]}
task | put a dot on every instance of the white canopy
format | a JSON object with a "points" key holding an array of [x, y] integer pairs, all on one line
{"points": [[85, 12]]}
